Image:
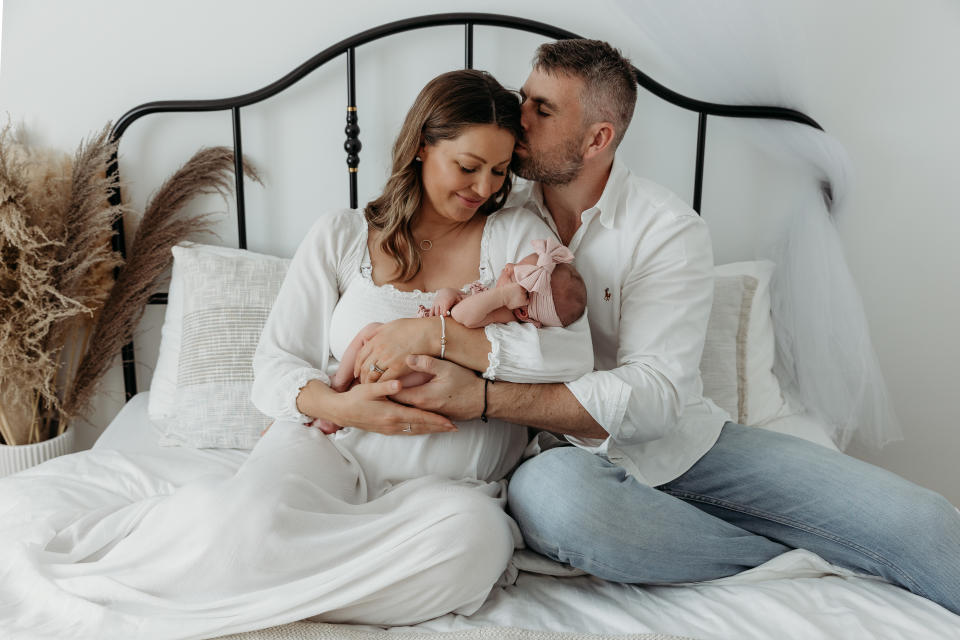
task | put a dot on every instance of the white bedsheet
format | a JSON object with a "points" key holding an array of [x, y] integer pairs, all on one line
{"points": [[797, 595]]}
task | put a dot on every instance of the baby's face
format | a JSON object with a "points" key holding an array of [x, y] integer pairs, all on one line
{"points": [[506, 276]]}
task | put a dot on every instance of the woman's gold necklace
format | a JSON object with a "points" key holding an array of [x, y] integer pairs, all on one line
{"points": [[426, 245]]}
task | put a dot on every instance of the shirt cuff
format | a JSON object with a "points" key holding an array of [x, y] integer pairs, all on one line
{"points": [[593, 445], [605, 397]]}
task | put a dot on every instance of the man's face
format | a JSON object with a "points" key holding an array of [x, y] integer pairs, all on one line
{"points": [[551, 151]]}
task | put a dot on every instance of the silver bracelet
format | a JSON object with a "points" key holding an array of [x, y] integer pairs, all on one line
{"points": [[443, 336]]}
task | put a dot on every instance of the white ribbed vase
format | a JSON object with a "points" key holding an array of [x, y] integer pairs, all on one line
{"points": [[14, 458]]}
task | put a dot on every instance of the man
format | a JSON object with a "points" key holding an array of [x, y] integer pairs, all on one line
{"points": [[661, 487]]}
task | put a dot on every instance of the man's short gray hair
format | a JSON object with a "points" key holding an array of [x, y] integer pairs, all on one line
{"points": [[609, 84]]}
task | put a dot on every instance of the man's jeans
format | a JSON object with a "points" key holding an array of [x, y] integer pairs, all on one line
{"points": [[753, 496]]}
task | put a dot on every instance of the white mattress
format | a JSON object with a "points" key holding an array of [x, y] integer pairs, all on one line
{"points": [[797, 595]]}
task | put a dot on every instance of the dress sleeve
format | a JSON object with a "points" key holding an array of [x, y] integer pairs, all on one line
{"points": [[519, 351], [294, 347]]}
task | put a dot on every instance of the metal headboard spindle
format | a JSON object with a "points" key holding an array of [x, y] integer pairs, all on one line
{"points": [[352, 145]]}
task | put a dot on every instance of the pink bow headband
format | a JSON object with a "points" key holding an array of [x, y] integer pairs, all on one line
{"points": [[536, 280]]}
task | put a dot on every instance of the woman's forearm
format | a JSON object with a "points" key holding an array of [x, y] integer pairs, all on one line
{"points": [[467, 347]]}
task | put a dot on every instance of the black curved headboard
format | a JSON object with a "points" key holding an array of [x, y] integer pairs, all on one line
{"points": [[352, 145]]}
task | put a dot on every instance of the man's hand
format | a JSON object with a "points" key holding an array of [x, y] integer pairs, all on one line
{"points": [[389, 347], [454, 391]]}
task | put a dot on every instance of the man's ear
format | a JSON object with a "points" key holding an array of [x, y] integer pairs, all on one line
{"points": [[599, 138]]}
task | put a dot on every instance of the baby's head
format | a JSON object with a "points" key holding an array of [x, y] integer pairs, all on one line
{"points": [[560, 303], [569, 293]]}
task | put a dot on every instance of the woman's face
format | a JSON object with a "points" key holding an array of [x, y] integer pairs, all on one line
{"points": [[459, 175]]}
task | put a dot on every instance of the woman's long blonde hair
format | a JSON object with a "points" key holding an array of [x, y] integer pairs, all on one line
{"points": [[449, 103]]}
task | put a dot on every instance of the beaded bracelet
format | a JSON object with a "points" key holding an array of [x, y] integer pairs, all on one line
{"points": [[483, 416]]}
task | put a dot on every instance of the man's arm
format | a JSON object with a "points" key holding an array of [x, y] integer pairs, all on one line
{"points": [[545, 406], [458, 393]]}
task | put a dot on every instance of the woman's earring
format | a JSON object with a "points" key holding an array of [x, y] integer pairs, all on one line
{"points": [[418, 158]]}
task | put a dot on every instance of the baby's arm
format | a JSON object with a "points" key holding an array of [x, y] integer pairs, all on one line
{"points": [[489, 306], [444, 300]]}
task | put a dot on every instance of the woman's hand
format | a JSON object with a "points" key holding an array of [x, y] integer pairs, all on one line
{"points": [[389, 347], [367, 407]]}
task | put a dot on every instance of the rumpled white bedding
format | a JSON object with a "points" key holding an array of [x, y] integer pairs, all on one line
{"points": [[797, 595]]}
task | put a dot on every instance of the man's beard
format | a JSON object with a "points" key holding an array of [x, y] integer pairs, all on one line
{"points": [[556, 168]]}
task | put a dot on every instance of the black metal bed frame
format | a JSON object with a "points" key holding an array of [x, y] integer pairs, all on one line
{"points": [[352, 145]]}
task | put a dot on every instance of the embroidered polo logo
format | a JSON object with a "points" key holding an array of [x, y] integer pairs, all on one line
{"points": [[606, 295]]}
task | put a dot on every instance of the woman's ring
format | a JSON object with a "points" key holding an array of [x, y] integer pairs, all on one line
{"points": [[408, 428], [375, 369]]}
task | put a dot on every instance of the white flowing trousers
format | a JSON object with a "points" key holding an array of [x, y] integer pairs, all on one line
{"points": [[291, 535]]}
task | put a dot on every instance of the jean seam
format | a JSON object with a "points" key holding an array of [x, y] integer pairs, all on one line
{"points": [[694, 497]]}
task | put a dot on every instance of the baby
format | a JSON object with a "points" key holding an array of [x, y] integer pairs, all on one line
{"points": [[543, 289]]}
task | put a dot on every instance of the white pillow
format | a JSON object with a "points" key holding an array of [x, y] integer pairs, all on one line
{"points": [[163, 386], [218, 302], [737, 363], [722, 366]]}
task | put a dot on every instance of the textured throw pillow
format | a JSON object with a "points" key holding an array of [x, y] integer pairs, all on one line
{"points": [[219, 301], [737, 363], [723, 365]]}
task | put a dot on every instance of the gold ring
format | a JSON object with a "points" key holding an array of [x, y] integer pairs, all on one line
{"points": [[375, 368], [408, 428]]}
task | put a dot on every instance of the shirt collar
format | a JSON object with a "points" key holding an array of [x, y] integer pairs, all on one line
{"points": [[530, 195], [607, 204]]}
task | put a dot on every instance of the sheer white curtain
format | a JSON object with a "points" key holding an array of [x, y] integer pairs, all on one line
{"points": [[739, 52]]}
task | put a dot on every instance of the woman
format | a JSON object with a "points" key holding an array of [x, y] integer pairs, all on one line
{"points": [[430, 229], [379, 523]]}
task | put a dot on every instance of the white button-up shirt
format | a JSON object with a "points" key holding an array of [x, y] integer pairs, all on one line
{"points": [[647, 261]]}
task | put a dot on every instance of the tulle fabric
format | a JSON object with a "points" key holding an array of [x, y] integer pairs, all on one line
{"points": [[737, 52]]}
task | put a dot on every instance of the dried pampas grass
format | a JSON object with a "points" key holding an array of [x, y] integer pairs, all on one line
{"points": [[208, 171], [63, 317], [55, 261]]}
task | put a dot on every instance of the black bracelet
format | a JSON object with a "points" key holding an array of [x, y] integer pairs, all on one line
{"points": [[483, 416]]}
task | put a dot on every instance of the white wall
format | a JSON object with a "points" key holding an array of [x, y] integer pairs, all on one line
{"points": [[879, 78]]}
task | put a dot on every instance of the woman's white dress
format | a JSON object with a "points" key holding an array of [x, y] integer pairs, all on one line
{"points": [[353, 527]]}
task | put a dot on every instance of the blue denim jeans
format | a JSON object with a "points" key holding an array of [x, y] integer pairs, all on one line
{"points": [[754, 495]]}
